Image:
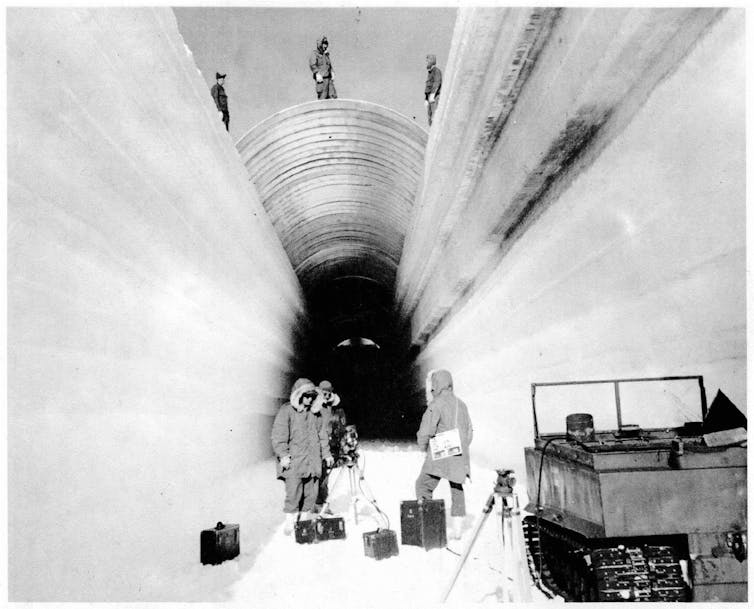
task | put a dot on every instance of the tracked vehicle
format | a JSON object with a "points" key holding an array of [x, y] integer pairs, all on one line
{"points": [[623, 512]]}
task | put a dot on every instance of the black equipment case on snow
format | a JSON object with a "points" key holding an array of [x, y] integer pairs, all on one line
{"points": [[379, 544], [219, 544], [330, 528], [304, 531], [423, 523], [321, 529]]}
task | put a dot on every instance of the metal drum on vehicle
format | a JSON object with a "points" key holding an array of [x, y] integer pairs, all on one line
{"points": [[580, 427]]}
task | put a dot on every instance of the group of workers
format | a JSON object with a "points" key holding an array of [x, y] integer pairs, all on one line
{"points": [[320, 65], [301, 434]]}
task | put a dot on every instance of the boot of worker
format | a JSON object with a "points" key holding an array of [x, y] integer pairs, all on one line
{"points": [[456, 527], [290, 522]]}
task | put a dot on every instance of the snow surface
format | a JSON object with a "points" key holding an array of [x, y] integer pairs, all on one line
{"points": [[282, 573]]}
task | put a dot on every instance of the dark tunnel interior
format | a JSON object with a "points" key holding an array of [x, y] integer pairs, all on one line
{"points": [[354, 338]]}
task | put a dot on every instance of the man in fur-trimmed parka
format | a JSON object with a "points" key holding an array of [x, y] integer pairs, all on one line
{"points": [[334, 419], [300, 443], [444, 412]]}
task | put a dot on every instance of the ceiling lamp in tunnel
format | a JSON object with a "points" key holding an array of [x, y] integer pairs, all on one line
{"points": [[358, 342], [338, 179]]}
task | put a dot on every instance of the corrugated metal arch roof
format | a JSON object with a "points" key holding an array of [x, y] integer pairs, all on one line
{"points": [[338, 179]]}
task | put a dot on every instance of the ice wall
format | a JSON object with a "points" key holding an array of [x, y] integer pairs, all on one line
{"points": [[150, 309], [637, 265]]}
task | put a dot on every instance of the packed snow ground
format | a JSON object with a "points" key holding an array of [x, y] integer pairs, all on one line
{"points": [[274, 571], [287, 574]]}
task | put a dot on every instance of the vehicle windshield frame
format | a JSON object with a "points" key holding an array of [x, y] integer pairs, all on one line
{"points": [[616, 384]]}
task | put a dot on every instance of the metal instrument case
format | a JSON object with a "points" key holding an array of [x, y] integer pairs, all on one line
{"points": [[330, 528], [379, 544], [305, 531], [423, 523]]}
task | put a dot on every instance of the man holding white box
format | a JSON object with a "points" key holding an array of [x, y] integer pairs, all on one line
{"points": [[445, 433]]}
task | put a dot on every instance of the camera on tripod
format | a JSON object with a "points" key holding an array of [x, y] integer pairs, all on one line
{"points": [[514, 587], [505, 482], [344, 444]]}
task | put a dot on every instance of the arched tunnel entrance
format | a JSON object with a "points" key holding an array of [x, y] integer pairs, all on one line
{"points": [[338, 180]]}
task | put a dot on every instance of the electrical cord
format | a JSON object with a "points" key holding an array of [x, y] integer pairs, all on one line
{"points": [[369, 497], [538, 505], [489, 565]]}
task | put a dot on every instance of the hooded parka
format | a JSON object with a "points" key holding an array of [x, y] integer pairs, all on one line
{"points": [[320, 65], [319, 60], [300, 432], [433, 83], [445, 411]]}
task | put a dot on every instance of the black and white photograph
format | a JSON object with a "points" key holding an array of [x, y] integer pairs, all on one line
{"points": [[381, 306]]}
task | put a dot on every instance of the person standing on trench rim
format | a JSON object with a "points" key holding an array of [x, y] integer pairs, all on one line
{"points": [[321, 67], [432, 87], [221, 99]]}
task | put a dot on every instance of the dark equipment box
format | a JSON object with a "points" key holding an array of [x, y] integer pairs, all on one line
{"points": [[330, 528], [379, 544], [321, 529], [423, 523], [219, 544], [305, 531]]}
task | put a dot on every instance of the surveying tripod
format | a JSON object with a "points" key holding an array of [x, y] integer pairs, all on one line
{"points": [[514, 586], [355, 481]]}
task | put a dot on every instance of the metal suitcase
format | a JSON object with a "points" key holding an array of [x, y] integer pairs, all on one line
{"points": [[379, 544], [423, 523], [305, 531], [330, 528], [219, 544]]}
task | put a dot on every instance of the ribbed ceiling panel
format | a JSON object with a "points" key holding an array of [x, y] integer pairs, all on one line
{"points": [[338, 179]]}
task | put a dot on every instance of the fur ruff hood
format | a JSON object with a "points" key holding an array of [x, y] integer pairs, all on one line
{"points": [[437, 382], [300, 387]]}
